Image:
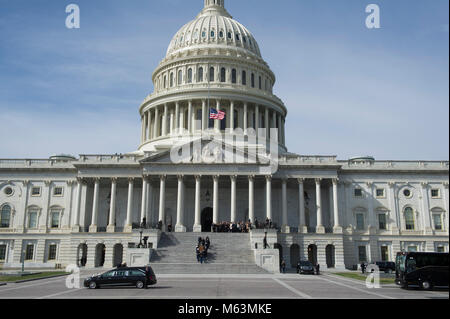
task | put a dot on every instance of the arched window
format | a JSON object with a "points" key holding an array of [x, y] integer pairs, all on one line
{"points": [[213, 34], [180, 77], [200, 75], [253, 80], [244, 78], [171, 79], [189, 79], [165, 81], [233, 76], [260, 83], [221, 34], [5, 217], [230, 35], [222, 75], [211, 74], [409, 219]]}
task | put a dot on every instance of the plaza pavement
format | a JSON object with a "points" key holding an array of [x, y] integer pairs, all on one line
{"points": [[204, 286]]}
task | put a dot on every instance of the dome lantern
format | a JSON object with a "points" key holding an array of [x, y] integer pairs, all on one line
{"points": [[219, 3]]}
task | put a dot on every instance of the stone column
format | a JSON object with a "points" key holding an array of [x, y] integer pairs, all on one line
{"points": [[266, 122], [337, 225], [204, 118], [280, 138], [162, 202], [285, 227], [156, 126], [179, 227], [371, 216], [216, 200], [395, 224], [269, 197], [142, 129], [166, 115], [251, 198], [129, 222], [197, 225], [217, 122], [256, 119], [427, 223], [446, 203], [319, 229], [231, 116], [76, 221], [144, 199], [302, 227], [112, 207], [233, 198], [245, 126], [94, 222], [177, 117], [149, 125], [189, 128]]}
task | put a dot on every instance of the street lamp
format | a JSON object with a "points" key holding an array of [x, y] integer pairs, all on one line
{"points": [[23, 260], [141, 230]]}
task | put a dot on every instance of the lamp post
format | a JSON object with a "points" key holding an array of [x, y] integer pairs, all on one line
{"points": [[141, 230], [23, 260]]}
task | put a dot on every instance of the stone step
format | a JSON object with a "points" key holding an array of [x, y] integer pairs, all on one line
{"points": [[195, 268]]}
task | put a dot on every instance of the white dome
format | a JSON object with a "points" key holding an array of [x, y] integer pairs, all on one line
{"points": [[213, 27]]}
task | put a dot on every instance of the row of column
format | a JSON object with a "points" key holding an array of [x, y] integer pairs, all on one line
{"points": [[161, 123], [180, 225]]}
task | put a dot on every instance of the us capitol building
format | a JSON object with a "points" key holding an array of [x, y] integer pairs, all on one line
{"points": [[191, 171]]}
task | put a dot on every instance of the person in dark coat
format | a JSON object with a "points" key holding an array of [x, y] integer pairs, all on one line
{"points": [[317, 269]]}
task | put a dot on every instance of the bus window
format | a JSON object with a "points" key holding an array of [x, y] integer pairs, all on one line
{"points": [[411, 265]]}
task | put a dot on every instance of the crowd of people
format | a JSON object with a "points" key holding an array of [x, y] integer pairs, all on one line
{"points": [[232, 227], [202, 249]]}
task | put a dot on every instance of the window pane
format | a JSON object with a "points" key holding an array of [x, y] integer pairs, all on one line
{"points": [[2, 252], [382, 221], [52, 252], [437, 221], [33, 220], [409, 218], [360, 221], [5, 216], [55, 220], [362, 253], [29, 252]]}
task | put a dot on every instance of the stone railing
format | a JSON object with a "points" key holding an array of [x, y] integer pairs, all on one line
{"points": [[303, 160], [395, 165], [116, 158], [13, 163]]}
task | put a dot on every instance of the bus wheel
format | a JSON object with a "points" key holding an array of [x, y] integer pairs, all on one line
{"points": [[426, 285]]}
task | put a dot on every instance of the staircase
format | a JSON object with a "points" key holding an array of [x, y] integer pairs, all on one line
{"points": [[228, 254]]}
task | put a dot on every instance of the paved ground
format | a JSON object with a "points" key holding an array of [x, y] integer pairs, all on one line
{"points": [[288, 286]]}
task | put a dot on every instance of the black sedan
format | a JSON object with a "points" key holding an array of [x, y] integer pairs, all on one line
{"points": [[140, 277], [305, 267]]}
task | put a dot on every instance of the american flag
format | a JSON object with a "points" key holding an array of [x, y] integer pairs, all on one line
{"points": [[214, 115]]}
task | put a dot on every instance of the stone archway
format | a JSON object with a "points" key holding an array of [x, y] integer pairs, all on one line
{"points": [[330, 251], [295, 255], [207, 219], [100, 251], [280, 249], [312, 254], [117, 254], [82, 255]]}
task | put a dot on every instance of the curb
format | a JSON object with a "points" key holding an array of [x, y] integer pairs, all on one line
{"points": [[34, 279]]}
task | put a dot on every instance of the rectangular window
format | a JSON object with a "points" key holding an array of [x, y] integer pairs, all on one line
{"points": [[359, 221], [435, 193], [437, 219], [358, 192], [29, 252], [58, 191], [409, 221], [2, 252], [55, 220], [440, 249], [36, 191], [52, 252], [362, 254], [380, 192], [382, 221], [32, 220], [412, 249], [384, 253]]}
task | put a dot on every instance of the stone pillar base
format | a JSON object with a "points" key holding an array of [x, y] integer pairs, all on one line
{"points": [[429, 231], [302, 229], [395, 230], [320, 230], [76, 229], [110, 229], [93, 228], [180, 229], [285, 229], [43, 229], [338, 230], [128, 229], [197, 228]]}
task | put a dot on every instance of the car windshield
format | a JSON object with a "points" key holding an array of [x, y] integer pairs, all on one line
{"points": [[305, 263]]}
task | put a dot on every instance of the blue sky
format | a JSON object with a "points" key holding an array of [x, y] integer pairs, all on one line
{"points": [[349, 90]]}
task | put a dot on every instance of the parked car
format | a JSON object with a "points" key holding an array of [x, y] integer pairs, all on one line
{"points": [[140, 277], [305, 267], [386, 266]]}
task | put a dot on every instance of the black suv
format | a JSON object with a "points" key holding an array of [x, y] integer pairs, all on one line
{"points": [[386, 266], [305, 267], [141, 277]]}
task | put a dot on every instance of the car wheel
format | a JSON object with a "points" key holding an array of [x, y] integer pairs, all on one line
{"points": [[426, 285], [93, 285], [139, 285]]}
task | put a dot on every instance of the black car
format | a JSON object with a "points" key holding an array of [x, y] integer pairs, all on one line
{"points": [[140, 277], [386, 266], [305, 267]]}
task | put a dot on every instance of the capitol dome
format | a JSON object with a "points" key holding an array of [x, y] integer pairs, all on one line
{"points": [[214, 26], [213, 63]]}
